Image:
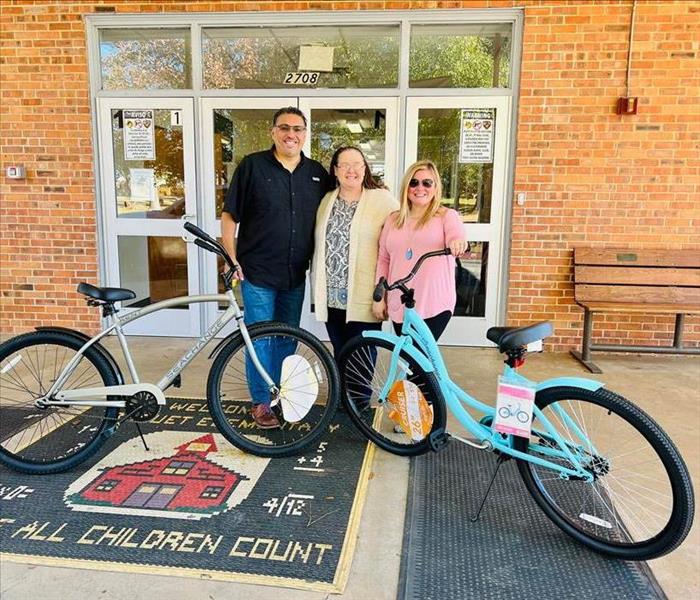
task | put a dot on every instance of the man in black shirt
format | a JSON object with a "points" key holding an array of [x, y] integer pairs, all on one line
{"points": [[272, 199]]}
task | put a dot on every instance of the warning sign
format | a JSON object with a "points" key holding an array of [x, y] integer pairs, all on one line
{"points": [[139, 141], [476, 136]]}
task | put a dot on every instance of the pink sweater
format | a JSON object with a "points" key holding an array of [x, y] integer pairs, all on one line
{"points": [[434, 284]]}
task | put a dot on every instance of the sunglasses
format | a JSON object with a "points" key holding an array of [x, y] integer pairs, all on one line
{"points": [[427, 183]]}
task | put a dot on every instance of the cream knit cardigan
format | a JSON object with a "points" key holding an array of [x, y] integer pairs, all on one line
{"points": [[373, 208]]}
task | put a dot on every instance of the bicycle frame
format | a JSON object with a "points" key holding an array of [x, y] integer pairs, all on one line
{"points": [[417, 341], [116, 324]]}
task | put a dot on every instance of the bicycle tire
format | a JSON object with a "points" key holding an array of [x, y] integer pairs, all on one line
{"points": [[42, 441], [370, 418], [227, 397], [607, 521]]}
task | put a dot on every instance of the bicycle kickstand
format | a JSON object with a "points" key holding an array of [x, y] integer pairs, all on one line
{"points": [[499, 462], [138, 427]]}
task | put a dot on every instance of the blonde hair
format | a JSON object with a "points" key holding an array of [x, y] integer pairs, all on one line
{"points": [[434, 205]]}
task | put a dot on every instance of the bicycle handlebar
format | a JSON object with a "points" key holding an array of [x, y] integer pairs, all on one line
{"points": [[382, 285], [206, 245], [197, 232], [205, 241]]}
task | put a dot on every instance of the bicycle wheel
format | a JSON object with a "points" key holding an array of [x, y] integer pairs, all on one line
{"points": [[302, 369], [364, 369], [56, 438], [640, 504]]}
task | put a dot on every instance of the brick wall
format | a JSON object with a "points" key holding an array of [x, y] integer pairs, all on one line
{"points": [[592, 177]]}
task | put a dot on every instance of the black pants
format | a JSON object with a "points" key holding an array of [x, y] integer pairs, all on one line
{"points": [[341, 332], [436, 324]]}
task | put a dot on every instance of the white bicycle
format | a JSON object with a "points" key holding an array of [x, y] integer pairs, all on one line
{"points": [[62, 394]]}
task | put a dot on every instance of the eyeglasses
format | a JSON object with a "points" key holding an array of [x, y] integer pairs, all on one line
{"points": [[427, 183], [354, 165], [294, 128]]}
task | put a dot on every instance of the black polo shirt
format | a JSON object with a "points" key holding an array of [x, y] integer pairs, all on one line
{"points": [[276, 212]]}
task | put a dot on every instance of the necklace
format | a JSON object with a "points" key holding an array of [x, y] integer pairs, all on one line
{"points": [[415, 219], [409, 251]]}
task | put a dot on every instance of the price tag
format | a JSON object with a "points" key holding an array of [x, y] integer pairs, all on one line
{"points": [[514, 405], [301, 78]]}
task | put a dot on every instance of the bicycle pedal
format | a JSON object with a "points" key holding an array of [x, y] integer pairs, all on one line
{"points": [[438, 439]]}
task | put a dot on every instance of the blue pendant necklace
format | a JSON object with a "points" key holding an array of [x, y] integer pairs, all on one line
{"points": [[409, 250]]}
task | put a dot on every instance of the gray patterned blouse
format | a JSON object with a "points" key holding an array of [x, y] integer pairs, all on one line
{"points": [[338, 252]]}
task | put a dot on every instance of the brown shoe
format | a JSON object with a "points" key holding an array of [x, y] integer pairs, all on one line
{"points": [[264, 417]]}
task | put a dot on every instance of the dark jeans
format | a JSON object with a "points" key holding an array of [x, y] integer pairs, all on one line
{"points": [[436, 324], [266, 304], [341, 332]]}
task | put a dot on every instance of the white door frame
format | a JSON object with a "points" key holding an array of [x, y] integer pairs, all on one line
{"points": [[183, 322], [471, 331]]}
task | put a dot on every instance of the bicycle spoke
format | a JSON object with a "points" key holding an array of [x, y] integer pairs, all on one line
{"points": [[630, 500], [235, 388], [46, 435]]}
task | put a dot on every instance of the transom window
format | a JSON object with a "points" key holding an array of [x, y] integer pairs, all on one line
{"points": [[469, 55], [445, 55], [271, 57], [145, 58]]}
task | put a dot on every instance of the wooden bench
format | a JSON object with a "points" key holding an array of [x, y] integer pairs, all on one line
{"points": [[617, 280]]}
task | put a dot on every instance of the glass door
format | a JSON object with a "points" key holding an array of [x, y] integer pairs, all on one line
{"points": [[468, 140], [148, 189], [234, 127], [370, 124], [231, 129]]}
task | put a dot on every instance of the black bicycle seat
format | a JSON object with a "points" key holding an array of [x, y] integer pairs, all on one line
{"points": [[107, 294], [509, 338]]}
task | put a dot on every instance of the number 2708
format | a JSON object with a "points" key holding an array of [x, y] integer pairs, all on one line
{"points": [[293, 78]]}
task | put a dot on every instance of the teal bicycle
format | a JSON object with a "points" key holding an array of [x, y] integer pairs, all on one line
{"points": [[599, 467]]}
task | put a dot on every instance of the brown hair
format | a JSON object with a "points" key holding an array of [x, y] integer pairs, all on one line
{"points": [[368, 181]]}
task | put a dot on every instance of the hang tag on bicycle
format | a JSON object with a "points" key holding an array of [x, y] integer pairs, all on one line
{"points": [[514, 404], [409, 410]]}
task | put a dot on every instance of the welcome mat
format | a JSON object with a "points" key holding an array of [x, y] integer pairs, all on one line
{"points": [[194, 505], [512, 551]]}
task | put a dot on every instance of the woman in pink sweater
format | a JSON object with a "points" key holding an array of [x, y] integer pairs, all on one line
{"points": [[419, 226]]}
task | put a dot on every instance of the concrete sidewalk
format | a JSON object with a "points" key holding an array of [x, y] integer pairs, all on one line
{"points": [[667, 387]]}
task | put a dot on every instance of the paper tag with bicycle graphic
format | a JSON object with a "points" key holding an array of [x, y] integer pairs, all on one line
{"points": [[514, 405]]}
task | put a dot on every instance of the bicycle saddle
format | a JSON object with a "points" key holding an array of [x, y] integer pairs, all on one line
{"points": [[509, 338], [106, 294]]}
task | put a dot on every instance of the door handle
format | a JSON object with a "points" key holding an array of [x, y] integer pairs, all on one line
{"points": [[187, 219]]}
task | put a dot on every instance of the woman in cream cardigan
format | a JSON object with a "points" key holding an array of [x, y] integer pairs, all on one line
{"points": [[348, 224]]}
